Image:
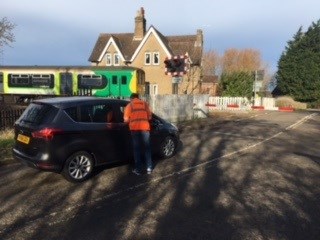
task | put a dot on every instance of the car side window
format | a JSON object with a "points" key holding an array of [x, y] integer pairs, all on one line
{"points": [[86, 113], [103, 113], [121, 112], [72, 113], [96, 113]]}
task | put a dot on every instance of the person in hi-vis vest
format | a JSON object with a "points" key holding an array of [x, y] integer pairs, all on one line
{"points": [[138, 115]]}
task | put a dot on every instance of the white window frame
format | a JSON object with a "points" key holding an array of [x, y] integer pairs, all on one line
{"points": [[147, 56], [108, 58], [156, 55], [153, 89], [116, 59]]}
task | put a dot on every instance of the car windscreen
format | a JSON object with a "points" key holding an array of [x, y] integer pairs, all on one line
{"points": [[37, 114]]}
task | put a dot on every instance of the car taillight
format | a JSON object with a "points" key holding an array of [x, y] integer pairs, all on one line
{"points": [[46, 133]]}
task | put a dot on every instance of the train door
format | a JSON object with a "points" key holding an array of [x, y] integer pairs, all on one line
{"points": [[124, 87], [66, 84], [115, 86]]}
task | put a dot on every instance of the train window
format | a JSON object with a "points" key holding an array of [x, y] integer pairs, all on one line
{"points": [[42, 80], [92, 81], [114, 80], [123, 80], [18, 80], [31, 80]]}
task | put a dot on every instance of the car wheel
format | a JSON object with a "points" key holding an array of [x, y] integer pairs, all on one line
{"points": [[78, 167], [168, 147]]}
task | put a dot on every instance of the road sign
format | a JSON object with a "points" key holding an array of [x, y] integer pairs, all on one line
{"points": [[257, 86], [176, 79]]}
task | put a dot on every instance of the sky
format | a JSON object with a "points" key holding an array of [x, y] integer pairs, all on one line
{"points": [[64, 32]]}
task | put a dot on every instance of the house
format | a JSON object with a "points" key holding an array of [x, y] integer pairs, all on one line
{"points": [[209, 85], [148, 49]]}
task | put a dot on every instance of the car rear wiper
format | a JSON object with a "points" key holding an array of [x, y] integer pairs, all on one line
{"points": [[26, 121]]}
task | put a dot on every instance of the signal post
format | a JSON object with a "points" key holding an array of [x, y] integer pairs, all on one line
{"points": [[176, 66]]}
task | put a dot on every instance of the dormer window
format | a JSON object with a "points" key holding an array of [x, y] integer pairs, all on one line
{"points": [[152, 58], [112, 59], [108, 59], [116, 59]]}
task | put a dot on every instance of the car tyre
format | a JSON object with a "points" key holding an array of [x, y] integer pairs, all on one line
{"points": [[78, 167], [168, 147]]}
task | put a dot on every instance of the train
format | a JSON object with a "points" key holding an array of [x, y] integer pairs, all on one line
{"points": [[25, 83]]}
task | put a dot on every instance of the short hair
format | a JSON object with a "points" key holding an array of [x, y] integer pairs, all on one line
{"points": [[134, 95]]}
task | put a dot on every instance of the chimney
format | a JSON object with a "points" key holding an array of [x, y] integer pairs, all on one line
{"points": [[199, 40], [140, 25]]}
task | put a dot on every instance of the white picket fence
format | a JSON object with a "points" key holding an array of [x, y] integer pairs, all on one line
{"points": [[240, 103]]}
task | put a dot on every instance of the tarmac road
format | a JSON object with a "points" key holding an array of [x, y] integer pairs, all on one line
{"points": [[254, 177]]}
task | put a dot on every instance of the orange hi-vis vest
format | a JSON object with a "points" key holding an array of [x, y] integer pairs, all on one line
{"points": [[137, 113]]}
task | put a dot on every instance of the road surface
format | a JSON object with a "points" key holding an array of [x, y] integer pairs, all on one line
{"points": [[255, 177]]}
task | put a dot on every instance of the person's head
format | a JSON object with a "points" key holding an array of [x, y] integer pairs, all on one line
{"points": [[134, 95]]}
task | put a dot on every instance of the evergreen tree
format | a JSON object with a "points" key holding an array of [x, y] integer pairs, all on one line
{"points": [[298, 72], [237, 84]]}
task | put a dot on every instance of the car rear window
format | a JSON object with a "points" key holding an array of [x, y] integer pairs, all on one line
{"points": [[36, 114]]}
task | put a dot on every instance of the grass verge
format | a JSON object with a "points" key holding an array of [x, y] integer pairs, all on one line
{"points": [[6, 143]]}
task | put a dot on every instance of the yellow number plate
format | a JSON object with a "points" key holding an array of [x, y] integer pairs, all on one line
{"points": [[23, 138]]}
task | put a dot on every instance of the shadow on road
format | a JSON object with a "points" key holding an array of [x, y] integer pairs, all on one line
{"points": [[267, 192]]}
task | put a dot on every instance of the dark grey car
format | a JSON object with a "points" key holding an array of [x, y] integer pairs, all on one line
{"points": [[72, 135]]}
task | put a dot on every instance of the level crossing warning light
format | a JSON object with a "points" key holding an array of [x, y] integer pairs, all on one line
{"points": [[176, 65]]}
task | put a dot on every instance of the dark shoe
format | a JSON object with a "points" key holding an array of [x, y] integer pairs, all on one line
{"points": [[136, 172], [149, 170]]}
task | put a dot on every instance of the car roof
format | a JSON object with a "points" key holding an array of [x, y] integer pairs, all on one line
{"points": [[62, 102]]}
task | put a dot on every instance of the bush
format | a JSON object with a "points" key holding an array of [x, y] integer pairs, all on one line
{"points": [[287, 101], [315, 105]]}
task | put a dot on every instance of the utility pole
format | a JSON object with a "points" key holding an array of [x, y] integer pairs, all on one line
{"points": [[257, 84], [254, 87]]}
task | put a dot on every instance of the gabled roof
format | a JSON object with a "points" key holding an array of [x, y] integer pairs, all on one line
{"points": [[158, 36], [129, 48], [124, 42]]}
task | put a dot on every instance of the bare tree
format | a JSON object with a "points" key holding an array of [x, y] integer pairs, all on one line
{"points": [[235, 60], [210, 63], [191, 83], [6, 33]]}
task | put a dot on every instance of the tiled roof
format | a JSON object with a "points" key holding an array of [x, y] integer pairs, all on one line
{"points": [[123, 40], [181, 45], [177, 45]]}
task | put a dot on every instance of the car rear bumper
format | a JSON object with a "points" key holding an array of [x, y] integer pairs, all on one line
{"points": [[36, 162]]}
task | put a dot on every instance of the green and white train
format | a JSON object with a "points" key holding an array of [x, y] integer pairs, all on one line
{"points": [[30, 82]]}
